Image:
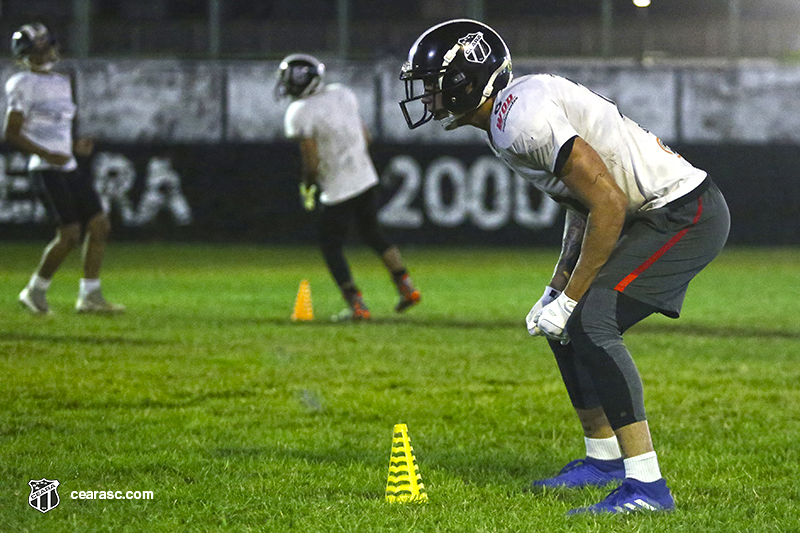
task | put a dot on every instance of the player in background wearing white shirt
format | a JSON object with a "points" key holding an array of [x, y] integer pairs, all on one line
{"points": [[324, 119], [641, 223], [39, 121]]}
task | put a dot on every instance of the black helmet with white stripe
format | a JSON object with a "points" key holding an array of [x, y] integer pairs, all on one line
{"points": [[464, 60], [299, 75], [30, 39]]}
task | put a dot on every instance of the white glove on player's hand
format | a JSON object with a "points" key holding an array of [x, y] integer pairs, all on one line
{"points": [[553, 320], [549, 295], [308, 195]]}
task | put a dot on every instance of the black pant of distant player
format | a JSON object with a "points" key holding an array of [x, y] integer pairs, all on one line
{"points": [[334, 225], [73, 201]]}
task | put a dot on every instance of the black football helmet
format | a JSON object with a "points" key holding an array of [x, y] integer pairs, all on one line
{"points": [[29, 39], [464, 60], [299, 75]]}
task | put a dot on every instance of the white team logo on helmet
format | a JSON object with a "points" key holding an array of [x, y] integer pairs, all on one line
{"points": [[476, 49]]}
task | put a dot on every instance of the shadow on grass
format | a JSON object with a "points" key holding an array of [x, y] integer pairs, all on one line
{"points": [[12, 336], [480, 469], [432, 322], [685, 329], [340, 457], [700, 330]]}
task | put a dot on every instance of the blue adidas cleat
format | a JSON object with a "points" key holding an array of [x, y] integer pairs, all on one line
{"points": [[633, 496], [588, 472]]}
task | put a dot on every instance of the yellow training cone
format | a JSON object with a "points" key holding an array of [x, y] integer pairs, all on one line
{"points": [[404, 483], [302, 306]]}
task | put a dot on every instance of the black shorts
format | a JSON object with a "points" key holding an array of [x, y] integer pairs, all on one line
{"points": [[362, 206], [335, 221], [69, 195]]}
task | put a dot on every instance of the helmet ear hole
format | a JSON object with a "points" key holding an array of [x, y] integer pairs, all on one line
{"points": [[459, 90]]}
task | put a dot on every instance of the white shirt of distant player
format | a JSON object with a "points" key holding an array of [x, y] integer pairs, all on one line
{"points": [[46, 102], [330, 116], [535, 115]]}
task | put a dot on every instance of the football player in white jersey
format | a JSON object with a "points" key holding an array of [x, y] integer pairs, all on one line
{"points": [[39, 116], [324, 119], [641, 223]]}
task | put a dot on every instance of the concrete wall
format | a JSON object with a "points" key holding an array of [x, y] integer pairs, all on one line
{"points": [[142, 101]]}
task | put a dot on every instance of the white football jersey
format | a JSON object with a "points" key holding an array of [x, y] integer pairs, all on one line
{"points": [[46, 102], [535, 115], [330, 117]]}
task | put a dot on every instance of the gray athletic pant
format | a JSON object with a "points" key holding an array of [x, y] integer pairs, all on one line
{"points": [[649, 271]]}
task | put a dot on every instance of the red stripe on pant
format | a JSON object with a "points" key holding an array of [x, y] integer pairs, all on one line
{"points": [[661, 251]]}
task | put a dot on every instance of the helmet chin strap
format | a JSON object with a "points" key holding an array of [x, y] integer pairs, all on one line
{"points": [[453, 121]]}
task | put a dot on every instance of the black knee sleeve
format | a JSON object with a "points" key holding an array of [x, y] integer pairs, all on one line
{"points": [[595, 330], [576, 377]]}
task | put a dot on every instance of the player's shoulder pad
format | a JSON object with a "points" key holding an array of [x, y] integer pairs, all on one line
{"points": [[295, 107], [519, 109], [295, 117], [340, 89], [16, 80]]}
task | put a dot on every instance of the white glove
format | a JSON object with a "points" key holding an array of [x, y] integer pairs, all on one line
{"points": [[308, 195], [549, 295], [553, 320]]}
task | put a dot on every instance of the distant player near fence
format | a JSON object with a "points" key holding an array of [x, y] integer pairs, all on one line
{"points": [[325, 121], [39, 122]]}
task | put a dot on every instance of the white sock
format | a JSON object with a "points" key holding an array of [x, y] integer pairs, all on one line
{"points": [[89, 285], [643, 467], [38, 282], [603, 449]]}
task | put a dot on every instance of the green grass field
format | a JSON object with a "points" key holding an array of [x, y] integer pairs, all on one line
{"points": [[239, 420]]}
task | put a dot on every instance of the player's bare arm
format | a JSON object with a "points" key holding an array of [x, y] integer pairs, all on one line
{"points": [[574, 228], [309, 161], [14, 136], [588, 178]]}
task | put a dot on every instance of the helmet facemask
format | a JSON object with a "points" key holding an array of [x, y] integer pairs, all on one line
{"points": [[422, 88]]}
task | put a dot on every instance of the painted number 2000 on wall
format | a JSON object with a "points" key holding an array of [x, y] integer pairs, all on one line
{"points": [[485, 194]]}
